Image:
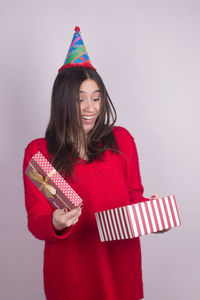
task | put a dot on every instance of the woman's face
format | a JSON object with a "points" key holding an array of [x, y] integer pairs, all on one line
{"points": [[90, 103]]}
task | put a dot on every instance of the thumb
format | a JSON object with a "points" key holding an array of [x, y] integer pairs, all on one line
{"points": [[63, 211]]}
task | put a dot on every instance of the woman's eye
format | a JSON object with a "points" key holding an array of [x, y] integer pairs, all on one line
{"points": [[96, 99], [81, 100]]}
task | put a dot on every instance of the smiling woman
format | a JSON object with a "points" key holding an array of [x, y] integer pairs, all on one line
{"points": [[100, 162]]}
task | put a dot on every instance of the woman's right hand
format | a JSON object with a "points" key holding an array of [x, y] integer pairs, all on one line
{"points": [[63, 218]]}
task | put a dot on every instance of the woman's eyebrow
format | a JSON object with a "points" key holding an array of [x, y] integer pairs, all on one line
{"points": [[92, 92]]}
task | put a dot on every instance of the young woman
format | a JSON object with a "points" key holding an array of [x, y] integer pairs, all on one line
{"points": [[100, 162]]}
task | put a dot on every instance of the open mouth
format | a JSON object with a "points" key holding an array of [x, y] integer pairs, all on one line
{"points": [[88, 120], [88, 117]]}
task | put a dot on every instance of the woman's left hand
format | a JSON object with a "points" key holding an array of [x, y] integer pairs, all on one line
{"points": [[161, 231]]}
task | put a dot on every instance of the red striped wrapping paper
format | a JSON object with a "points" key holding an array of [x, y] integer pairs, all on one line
{"points": [[137, 219]]}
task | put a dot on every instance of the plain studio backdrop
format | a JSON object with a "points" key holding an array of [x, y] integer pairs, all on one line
{"points": [[147, 53]]}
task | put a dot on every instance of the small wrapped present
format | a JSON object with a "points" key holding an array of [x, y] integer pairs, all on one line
{"points": [[58, 192], [138, 219]]}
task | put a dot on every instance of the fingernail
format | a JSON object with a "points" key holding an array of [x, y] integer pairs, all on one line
{"points": [[65, 210]]}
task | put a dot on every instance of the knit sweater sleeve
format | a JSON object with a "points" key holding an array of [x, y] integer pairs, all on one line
{"points": [[39, 210], [128, 147]]}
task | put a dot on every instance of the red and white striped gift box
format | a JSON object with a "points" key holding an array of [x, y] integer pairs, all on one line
{"points": [[137, 219]]}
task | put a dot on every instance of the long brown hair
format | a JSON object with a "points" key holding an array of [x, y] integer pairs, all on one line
{"points": [[64, 133]]}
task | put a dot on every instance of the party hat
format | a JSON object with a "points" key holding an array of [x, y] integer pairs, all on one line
{"points": [[77, 55]]}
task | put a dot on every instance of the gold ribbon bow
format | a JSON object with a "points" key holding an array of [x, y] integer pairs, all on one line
{"points": [[49, 190]]}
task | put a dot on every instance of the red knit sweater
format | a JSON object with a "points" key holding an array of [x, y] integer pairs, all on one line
{"points": [[77, 266]]}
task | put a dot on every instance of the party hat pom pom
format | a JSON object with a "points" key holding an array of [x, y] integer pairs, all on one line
{"points": [[77, 29]]}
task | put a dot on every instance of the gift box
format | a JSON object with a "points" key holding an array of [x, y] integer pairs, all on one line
{"points": [[138, 219], [53, 186]]}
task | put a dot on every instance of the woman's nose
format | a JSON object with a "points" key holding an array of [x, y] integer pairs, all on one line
{"points": [[89, 106]]}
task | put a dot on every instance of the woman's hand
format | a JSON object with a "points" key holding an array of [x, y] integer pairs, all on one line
{"points": [[63, 218], [165, 230]]}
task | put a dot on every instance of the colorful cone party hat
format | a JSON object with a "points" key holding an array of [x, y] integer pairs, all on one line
{"points": [[77, 55]]}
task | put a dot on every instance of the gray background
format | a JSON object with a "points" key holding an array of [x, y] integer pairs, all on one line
{"points": [[147, 52]]}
